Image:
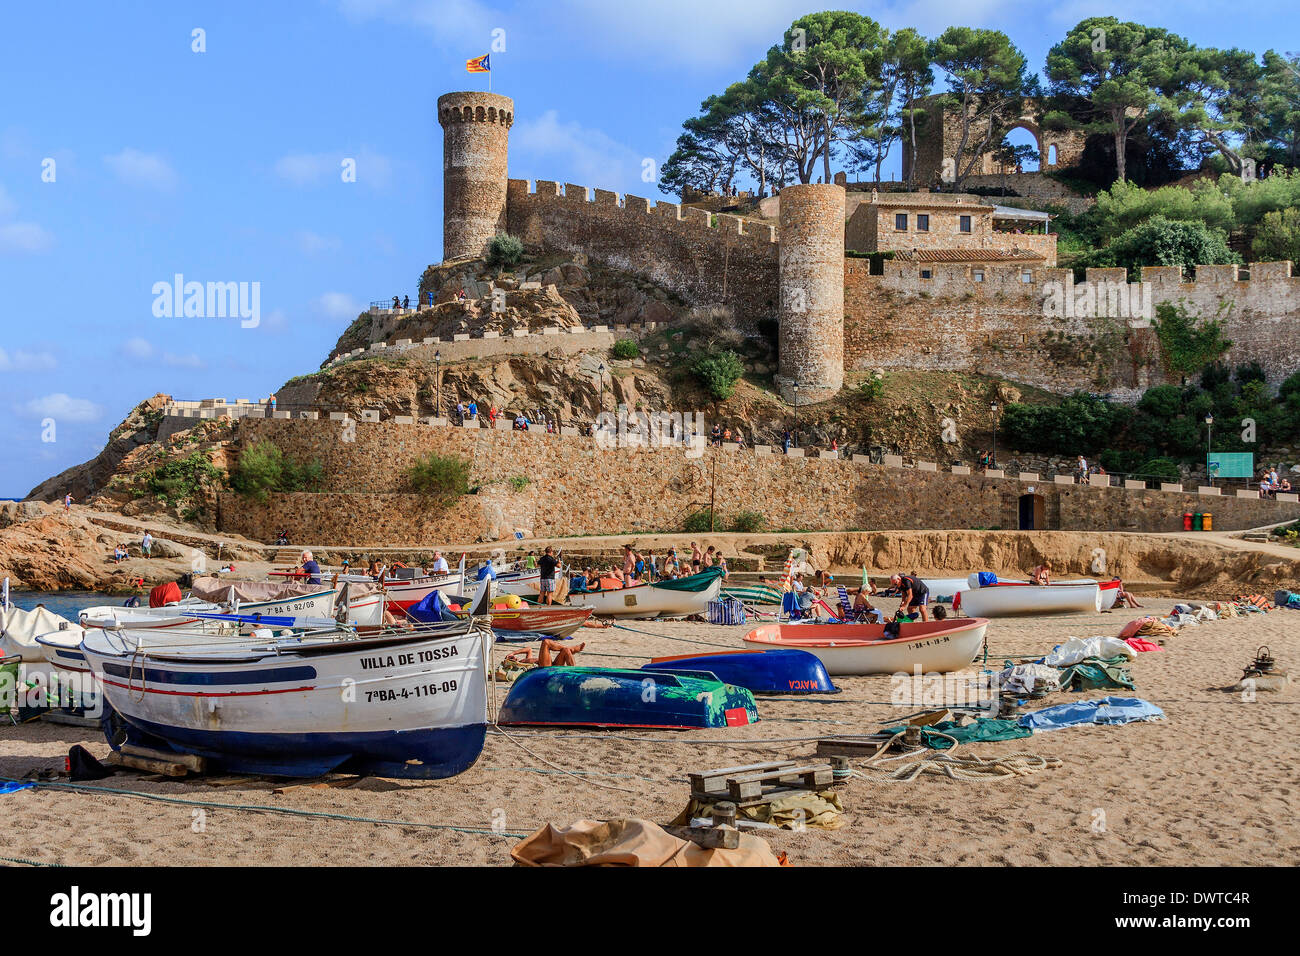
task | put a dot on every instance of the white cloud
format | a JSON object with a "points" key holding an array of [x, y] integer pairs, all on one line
{"points": [[148, 170], [139, 349], [337, 305], [62, 407], [142, 350], [23, 361], [314, 169], [24, 237], [312, 244], [579, 154]]}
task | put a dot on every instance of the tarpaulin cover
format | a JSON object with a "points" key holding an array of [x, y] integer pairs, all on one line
{"points": [[19, 630], [212, 588], [431, 609], [1142, 644], [987, 578], [984, 730], [631, 842], [1106, 710], [1080, 648], [165, 594], [1097, 674]]}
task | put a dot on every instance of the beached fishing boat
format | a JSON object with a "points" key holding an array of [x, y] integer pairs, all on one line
{"points": [[403, 594], [612, 697], [778, 671], [933, 646], [399, 704], [676, 597], [21, 631], [945, 588], [1006, 598]]}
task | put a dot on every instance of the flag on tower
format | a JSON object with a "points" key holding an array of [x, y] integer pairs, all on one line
{"points": [[479, 64]]}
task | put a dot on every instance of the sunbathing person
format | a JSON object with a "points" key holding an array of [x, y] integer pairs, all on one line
{"points": [[1124, 597], [863, 608], [564, 652]]}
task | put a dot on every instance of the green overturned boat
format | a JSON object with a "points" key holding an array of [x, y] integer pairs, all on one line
{"points": [[615, 697]]}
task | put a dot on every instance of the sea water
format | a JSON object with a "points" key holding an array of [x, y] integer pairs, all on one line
{"points": [[66, 604]]}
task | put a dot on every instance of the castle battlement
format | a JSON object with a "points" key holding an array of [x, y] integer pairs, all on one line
{"points": [[636, 209]]}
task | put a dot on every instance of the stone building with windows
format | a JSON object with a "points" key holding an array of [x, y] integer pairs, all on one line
{"points": [[932, 227]]}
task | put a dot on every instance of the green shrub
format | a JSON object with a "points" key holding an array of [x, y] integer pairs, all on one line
{"points": [[442, 478], [872, 388], [748, 521], [625, 349], [1166, 469], [504, 250], [1187, 344], [719, 372], [263, 469], [520, 482], [698, 522]]}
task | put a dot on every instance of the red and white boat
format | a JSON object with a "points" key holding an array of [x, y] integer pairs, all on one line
{"points": [[857, 649]]}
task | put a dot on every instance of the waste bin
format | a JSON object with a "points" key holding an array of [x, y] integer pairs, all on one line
{"points": [[1196, 521], [1187, 521], [1208, 522]]}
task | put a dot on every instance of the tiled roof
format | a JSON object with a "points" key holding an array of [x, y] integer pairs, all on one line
{"points": [[968, 255], [936, 203]]}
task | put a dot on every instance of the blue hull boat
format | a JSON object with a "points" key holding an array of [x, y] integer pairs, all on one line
{"points": [[613, 697], [762, 672]]}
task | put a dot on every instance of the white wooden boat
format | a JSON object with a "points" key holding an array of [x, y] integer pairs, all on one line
{"points": [[21, 630], [945, 587], [318, 604], [677, 597], [1007, 599], [856, 649], [399, 704]]}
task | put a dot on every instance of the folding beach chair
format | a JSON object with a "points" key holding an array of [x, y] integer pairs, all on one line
{"points": [[853, 615]]}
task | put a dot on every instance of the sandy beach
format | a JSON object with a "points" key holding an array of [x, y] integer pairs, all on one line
{"points": [[1214, 783]]}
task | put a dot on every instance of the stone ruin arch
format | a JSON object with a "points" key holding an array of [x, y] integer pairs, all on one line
{"points": [[939, 133]]}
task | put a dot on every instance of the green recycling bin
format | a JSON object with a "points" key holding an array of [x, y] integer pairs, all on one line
{"points": [[1198, 520]]}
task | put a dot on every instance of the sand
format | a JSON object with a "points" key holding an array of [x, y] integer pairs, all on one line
{"points": [[1215, 783]]}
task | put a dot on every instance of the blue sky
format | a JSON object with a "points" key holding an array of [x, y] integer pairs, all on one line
{"points": [[224, 165]]}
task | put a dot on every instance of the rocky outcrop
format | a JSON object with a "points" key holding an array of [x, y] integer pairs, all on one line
{"points": [[84, 480]]}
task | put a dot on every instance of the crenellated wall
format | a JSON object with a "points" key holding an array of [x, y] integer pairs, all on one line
{"points": [[701, 256], [1006, 326]]}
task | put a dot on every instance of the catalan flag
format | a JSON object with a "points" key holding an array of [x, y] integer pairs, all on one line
{"points": [[479, 64]]}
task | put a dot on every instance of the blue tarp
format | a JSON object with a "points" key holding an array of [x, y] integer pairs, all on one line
{"points": [[986, 578], [1106, 710], [431, 609]]}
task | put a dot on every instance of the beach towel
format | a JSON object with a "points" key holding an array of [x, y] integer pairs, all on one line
{"points": [[1077, 649], [1142, 644], [983, 730], [1106, 710]]}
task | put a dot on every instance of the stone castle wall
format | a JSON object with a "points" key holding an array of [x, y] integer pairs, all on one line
{"points": [[577, 488], [999, 325], [475, 130], [701, 256]]}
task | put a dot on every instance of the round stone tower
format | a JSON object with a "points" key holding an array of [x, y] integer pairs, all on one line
{"points": [[475, 127], [812, 292]]}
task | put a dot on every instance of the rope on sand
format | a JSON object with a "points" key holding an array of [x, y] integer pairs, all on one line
{"points": [[684, 640], [261, 808], [987, 769]]}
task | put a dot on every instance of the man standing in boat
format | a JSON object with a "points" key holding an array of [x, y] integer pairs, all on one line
{"points": [[913, 593], [547, 564]]}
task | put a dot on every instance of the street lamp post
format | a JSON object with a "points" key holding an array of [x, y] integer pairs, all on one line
{"points": [[796, 414], [993, 461], [602, 386], [1209, 441], [437, 360]]}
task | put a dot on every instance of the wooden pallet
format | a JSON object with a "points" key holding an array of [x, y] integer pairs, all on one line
{"points": [[754, 784]]}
